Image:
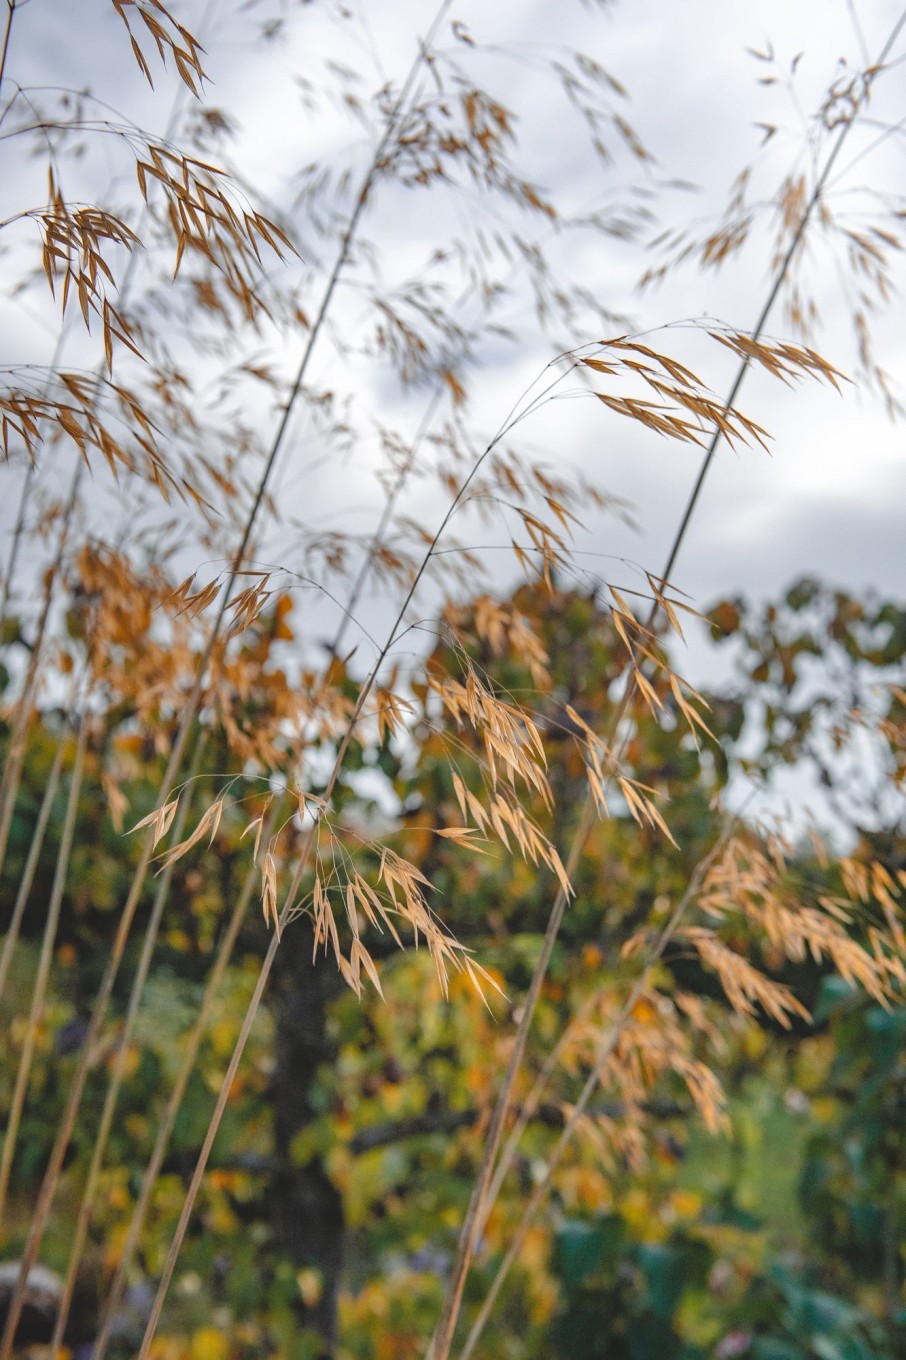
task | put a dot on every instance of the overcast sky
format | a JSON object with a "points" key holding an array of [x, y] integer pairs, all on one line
{"points": [[829, 498]]}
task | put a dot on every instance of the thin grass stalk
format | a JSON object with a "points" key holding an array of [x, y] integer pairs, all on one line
{"points": [[377, 537], [18, 530], [11, 938], [119, 1066], [27, 485], [15, 756], [527, 1110], [168, 1117], [383, 524], [439, 1348], [213, 1127], [67, 1122], [288, 906], [775, 290], [7, 33], [476, 1212], [591, 1085], [15, 760], [239, 1049], [341, 260], [39, 991]]}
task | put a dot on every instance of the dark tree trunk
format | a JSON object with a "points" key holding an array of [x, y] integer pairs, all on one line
{"points": [[307, 1211]]}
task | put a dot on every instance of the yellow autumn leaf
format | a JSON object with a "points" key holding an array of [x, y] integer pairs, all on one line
{"points": [[209, 1344]]}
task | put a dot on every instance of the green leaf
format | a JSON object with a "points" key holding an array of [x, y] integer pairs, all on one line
{"points": [[767, 1348], [665, 1275], [583, 1248]]}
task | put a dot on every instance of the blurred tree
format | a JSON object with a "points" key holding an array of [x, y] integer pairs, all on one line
{"points": [[348, 1148]]}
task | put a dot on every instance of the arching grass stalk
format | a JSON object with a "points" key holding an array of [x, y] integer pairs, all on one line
{"points": [[290, 900], [592, 1082], [478, 1207], [383, 524], [167, 1119]]}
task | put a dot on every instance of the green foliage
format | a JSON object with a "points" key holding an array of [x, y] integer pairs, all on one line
{"points": [[771, 1244]]}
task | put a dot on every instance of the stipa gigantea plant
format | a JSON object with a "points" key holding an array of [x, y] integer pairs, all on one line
{"points": [[513, 747], [92, 411], [415, 137], [646, 1036], [203, 219], [648, 1042], [797, 213]]}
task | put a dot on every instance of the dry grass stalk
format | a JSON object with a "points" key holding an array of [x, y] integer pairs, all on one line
{"points": [[39, 990], [171, 1110], [117, 1074], [28, 874], [604, 1051], [745, 875], [442, 1341]]}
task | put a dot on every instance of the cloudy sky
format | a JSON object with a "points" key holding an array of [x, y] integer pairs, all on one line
{"points": [[828, 500], [298, 81]]}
